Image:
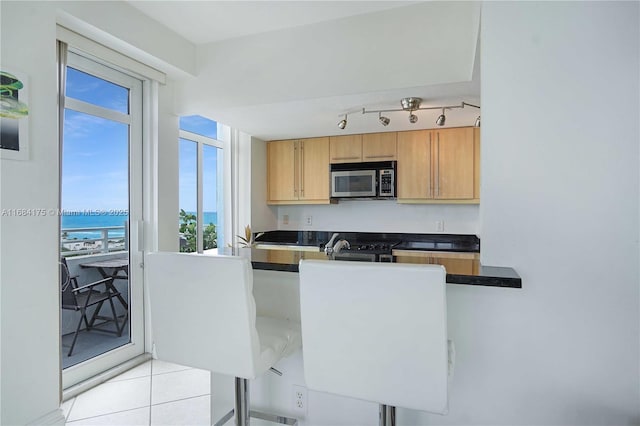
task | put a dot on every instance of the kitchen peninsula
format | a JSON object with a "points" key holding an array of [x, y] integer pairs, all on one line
{"points": [[459, 254]]}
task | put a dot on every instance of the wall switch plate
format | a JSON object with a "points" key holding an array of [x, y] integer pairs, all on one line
{"points": [[285, 219], [439, 225], [299, 399], [308, 220]]}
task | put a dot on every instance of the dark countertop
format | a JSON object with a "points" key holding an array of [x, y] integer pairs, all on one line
{"points": [[432, 242], [458, 253]]}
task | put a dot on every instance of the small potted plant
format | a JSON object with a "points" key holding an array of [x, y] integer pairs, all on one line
{"points": [[249, 239]]}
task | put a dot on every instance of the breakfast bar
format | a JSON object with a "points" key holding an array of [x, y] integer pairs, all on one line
{"points": [[459, 254]]}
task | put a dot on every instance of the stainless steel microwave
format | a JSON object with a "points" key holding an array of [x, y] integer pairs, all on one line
{"points": [[363, 180]]}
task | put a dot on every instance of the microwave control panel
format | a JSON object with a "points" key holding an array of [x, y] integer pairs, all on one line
{"points": [[387, 185]]}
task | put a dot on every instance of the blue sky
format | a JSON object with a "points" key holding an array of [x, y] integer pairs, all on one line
{"points": [[95, 151], [188, 164]]}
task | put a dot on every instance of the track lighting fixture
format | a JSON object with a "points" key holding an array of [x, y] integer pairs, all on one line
{"points": [[410, 104], [441, 119], [383, 120], [343, 123]]}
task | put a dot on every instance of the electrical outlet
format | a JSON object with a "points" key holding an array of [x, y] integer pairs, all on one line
{"points": [[308, 220], [440, 226], [285, 219], [299, 399]]}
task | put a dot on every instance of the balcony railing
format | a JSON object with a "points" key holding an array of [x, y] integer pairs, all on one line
{"points": [[83, 241]]}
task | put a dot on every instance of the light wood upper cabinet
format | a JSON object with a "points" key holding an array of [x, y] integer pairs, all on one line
{"points": [[298, 171], [314, 172], [414, 165], [345, 149], [282, 162], [454, 164], [379, 146], [438, 166]]}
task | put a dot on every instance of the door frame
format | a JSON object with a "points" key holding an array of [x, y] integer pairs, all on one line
{"points": [[83, 62]]}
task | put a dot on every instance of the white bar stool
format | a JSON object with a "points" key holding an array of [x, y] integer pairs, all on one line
{"points": [[203, 315], [376, 332]]}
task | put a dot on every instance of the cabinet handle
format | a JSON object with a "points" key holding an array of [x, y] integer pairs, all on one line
{"points": [[379, 156], [345, 158], [295, 169], [431, 173], [302, 169], [438, 168]]}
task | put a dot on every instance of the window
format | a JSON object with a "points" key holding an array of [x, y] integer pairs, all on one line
{"points": [[200, 180]]}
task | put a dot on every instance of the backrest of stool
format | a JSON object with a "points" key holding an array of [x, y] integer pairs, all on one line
{"points": [[376, 331], [203, 313]]}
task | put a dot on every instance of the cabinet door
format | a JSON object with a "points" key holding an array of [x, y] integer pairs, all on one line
{"points": [[346, 149], [414, 165], [454, 163], [282, 170], [379, 146], [314, 173]]}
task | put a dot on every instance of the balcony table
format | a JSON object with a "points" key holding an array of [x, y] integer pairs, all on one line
{"points": [[117, 265]]}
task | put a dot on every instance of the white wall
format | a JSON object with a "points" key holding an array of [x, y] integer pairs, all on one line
{"points": [[381, 216], [263, 217], [29, 324], [560, 100], [167, 176], [29, 311]]}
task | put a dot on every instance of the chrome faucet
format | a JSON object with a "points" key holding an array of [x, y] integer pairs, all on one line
{"points": [[328, 248], [340, 245]]}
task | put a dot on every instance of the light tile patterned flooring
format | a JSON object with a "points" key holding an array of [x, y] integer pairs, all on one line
{"points": [[154, 393]]}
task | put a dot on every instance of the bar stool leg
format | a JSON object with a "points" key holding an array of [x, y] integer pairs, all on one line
{"points": [[387, 415], [241, 405]]}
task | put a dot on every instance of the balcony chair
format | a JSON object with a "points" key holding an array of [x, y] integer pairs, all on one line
{"points": [[81, 298], [376, 332], [203, 315]]}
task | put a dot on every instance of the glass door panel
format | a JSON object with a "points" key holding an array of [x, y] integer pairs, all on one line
{"points": [[101, 205]]}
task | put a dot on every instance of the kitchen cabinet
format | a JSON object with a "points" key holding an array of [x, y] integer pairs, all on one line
{"points": [[345, 149], [298, 171], [453, 262], [379, 146], [438, 166], [363, 148]]}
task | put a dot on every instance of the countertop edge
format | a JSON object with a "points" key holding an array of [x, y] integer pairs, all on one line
{"points": [[475, 280]]}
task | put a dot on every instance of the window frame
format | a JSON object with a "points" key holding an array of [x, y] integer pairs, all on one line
{"points": [[200, 141]]}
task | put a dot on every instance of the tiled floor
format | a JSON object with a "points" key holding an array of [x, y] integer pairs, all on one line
{"points": [[154, 393]]}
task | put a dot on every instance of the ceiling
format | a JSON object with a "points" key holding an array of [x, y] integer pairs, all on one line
{"points": [[200, 21], [292, 67]]}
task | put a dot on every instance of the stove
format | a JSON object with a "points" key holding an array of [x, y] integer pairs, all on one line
{"points": [[368, 251]]}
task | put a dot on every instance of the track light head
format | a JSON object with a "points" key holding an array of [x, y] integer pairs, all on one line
{"points": [[413, 118], [343, 123], [441, 119], [383, 120], [477, 123]]}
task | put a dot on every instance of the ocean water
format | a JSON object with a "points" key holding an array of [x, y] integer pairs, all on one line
{"points": [[103, 220]]}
